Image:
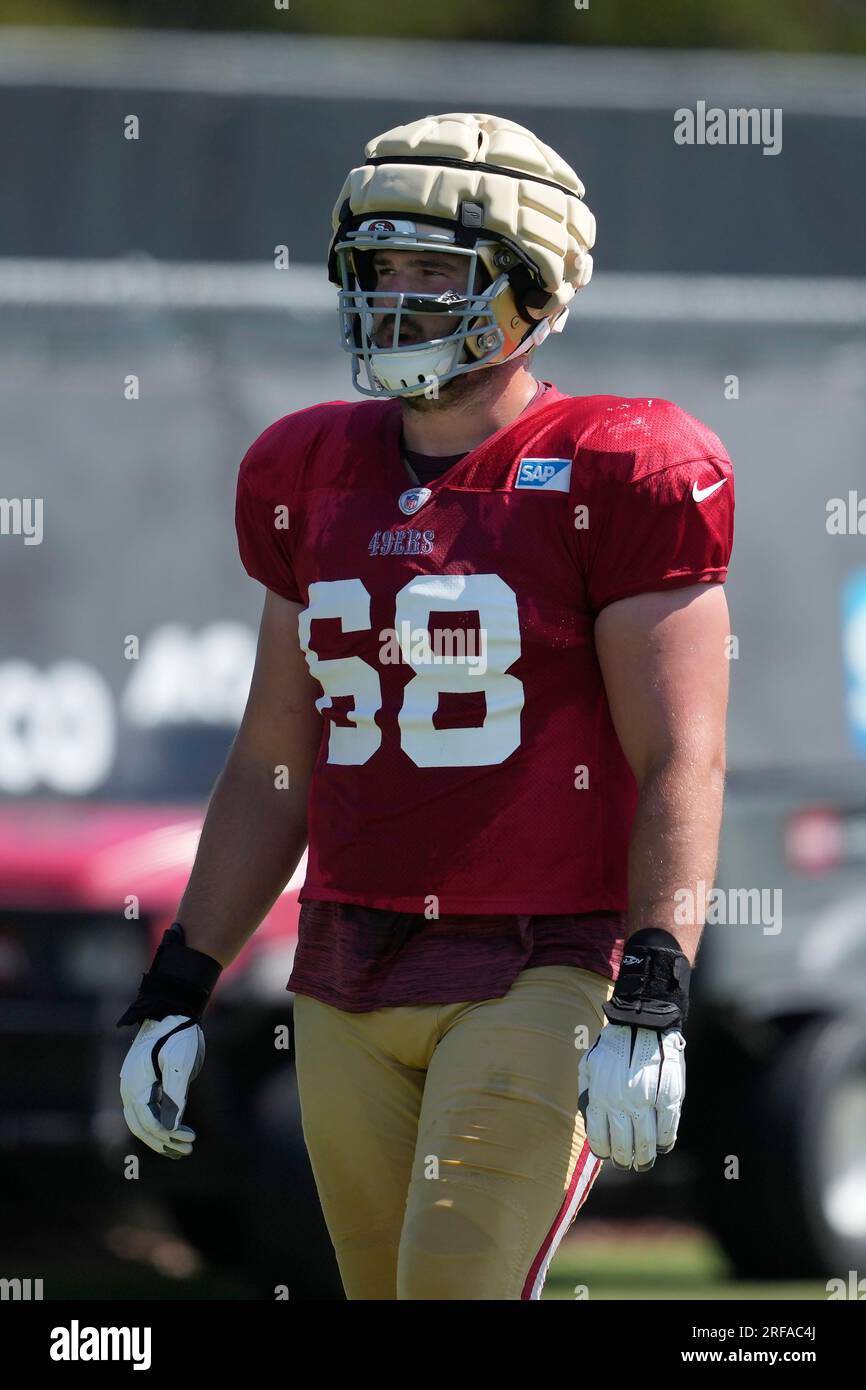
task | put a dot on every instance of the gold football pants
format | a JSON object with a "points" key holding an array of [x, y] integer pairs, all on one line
{"points": [[445, 1140]]}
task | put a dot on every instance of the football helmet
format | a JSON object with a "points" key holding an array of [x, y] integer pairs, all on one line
{"points": [[475, 186]]}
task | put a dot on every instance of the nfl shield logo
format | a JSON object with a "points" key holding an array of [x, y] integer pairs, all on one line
{"points": [[412, 499]]}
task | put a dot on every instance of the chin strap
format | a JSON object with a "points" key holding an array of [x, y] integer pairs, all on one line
{"points": [[652, 989]]}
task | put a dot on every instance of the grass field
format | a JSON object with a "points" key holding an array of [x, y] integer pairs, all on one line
{"points": [[656, 1261], [612, 1260]]}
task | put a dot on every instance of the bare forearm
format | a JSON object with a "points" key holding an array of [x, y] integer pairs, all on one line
{"points": [[252, 840], [674, 846]]}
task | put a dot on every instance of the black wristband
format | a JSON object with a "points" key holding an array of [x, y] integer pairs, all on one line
{"points": [[180, 981], [652, 990]]}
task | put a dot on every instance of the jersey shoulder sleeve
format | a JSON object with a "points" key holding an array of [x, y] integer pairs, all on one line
{"points": [[654, 493], [270, 480]]}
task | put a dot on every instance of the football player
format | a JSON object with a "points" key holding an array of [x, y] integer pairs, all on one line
{"points": [[492, 659]]}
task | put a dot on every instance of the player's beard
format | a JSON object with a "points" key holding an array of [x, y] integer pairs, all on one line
{"points": [[466, 391]]}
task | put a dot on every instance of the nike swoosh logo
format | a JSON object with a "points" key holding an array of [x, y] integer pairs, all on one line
{"points": [[699, 493]]}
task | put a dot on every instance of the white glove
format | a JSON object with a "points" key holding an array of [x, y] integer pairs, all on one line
{"points": [[631, 1101], [165, 1057]]}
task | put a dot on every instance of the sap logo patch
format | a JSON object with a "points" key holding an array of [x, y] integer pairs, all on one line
{"points": [[545, 475]]}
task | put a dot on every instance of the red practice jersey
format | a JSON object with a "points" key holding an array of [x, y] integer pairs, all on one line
{"points": [[468, 761]]}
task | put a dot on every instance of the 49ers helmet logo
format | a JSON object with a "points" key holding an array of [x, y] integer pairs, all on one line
{"points": [[381, 227]]}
